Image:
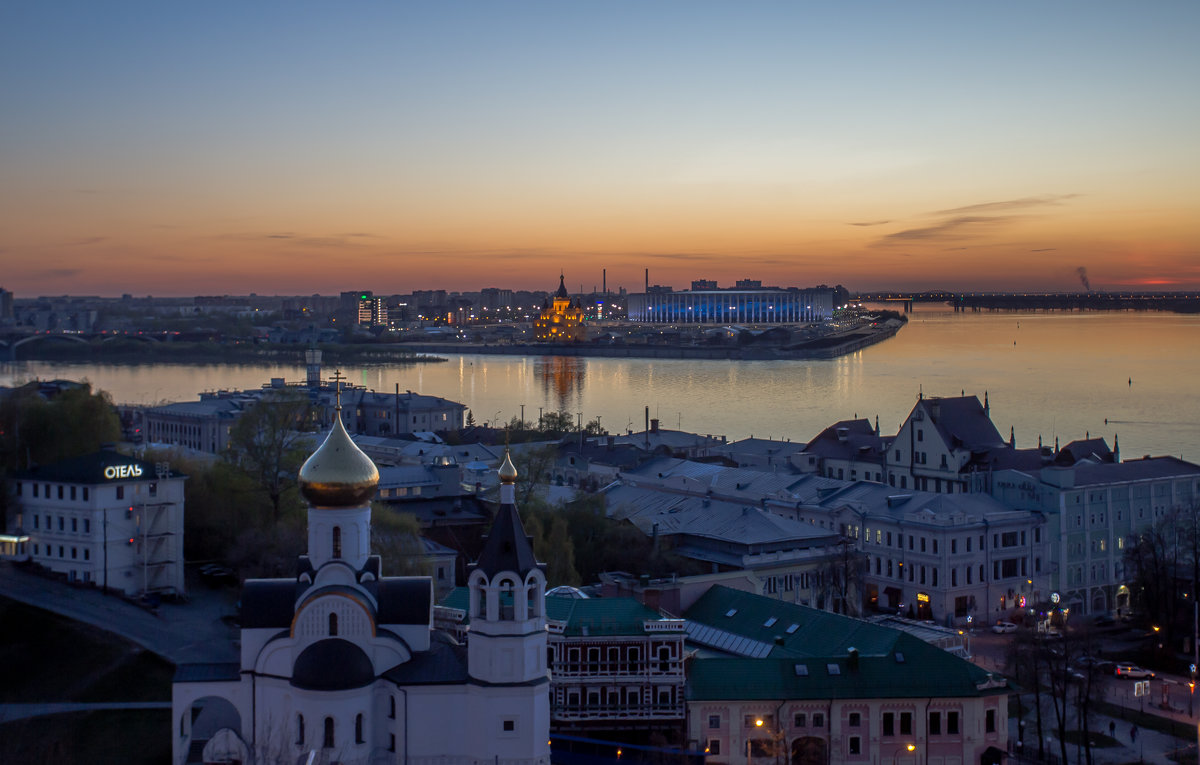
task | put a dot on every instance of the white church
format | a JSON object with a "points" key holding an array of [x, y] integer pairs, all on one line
{"points": [[341, 664]]}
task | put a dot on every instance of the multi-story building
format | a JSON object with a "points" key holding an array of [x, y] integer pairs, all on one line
{"points": [[105, 519], [202, 426], [614, 665], [732, 306], [849, 450], [954, 559], [780, 682], [1093, 505], [941, 444]]}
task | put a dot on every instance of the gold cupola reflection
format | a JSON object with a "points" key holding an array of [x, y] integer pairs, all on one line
{"points": [[338, 474]]}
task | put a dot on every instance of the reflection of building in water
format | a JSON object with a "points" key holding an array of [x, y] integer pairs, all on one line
{"points": [[562, 378], [561, 319]]}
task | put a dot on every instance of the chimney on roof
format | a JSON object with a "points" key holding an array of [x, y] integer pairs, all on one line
{"points": [[852, 659], [654, 425], [1012, 436]]}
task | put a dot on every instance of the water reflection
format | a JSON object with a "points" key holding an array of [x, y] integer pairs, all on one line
{"points": [[1047, 374], [561, 379]]}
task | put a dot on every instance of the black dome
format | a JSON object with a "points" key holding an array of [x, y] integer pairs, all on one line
{"points": [[332, 665]]}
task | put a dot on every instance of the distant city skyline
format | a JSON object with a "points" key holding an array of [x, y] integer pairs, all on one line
{"points": [[299, 148]]}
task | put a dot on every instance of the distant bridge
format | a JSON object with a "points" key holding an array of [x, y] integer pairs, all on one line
{"points": [[1181, 302], [10, 344]]}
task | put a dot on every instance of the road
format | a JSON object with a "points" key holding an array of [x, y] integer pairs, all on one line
{"points": [[184, 633]]}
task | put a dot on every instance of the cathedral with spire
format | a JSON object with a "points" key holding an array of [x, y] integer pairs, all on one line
{"points": [[561, 319], [341, 664]]}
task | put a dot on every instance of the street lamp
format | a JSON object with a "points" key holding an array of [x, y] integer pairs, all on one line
{"points": [[911, 747], [758, 723]]}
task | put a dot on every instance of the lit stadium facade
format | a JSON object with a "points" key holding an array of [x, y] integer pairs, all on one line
{"points": [[733, 306]]}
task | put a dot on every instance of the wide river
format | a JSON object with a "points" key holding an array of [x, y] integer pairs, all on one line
{"points": [[1053, 374]]}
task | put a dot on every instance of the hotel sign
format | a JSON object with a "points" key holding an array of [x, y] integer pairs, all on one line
{"points": [[113, 472], [922, 597]]}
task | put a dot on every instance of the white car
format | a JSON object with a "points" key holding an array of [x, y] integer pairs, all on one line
{"points": [[1132, 671], [1002, 627]]}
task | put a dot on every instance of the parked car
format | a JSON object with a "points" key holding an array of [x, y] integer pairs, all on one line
{"points": [[1132, 671], [1001, 628]]}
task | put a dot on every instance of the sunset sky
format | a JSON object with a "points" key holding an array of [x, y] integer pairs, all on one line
{"points": [[181, 148]]}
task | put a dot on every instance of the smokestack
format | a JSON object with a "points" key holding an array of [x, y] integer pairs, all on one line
{"points": [[604, 279], [647, 280], [647, 413]]}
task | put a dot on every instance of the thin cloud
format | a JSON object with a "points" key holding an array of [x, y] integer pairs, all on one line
{"points": [[954, 228], [1008, 204], [870, 223], [56, 273], [1045, 249], [87, 240]]}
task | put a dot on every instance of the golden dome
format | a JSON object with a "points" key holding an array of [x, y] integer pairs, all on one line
{"points": [[508, 471], [338, 474]]}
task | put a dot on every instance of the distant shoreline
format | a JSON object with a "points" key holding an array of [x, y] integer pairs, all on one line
{"points": [[824, 348], [139, 352]]}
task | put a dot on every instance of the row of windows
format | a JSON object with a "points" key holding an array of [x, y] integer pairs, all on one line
{"points": [[892, 723], [62, 523], [63, 492], [37, 550]]}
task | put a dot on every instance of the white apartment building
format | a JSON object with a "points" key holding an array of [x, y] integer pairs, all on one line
{"points": [[105, 519]]}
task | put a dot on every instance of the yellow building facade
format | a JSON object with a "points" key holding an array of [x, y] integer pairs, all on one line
{"points": [[561, 319]]}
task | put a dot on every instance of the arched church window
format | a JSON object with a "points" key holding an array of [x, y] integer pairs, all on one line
{"points": [[337, 541], [299, 730], [358, 729], [332, 625], [328, 744]]}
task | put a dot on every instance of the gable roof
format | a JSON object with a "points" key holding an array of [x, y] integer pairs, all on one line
{"points": [[962, 422]]}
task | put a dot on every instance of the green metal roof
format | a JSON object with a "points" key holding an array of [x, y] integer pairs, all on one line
{"points": [[925, 672], [590, 616], [600, 616], [890, 663], [769, 621]]}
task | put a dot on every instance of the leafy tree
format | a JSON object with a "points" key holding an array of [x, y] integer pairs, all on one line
{"points": [[557, 422], [396, 538], [268, 444], [554, 546], [38, 431], [594, 428], [533, 469]]}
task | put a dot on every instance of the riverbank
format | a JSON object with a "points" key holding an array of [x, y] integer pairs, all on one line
{"points": [[154, 351], [827, 347]]}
